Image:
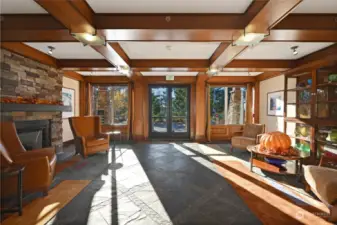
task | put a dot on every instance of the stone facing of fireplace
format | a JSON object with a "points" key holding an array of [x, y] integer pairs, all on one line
{"points": [[24, 77]]}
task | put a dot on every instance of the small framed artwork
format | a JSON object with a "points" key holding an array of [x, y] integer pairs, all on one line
{"points": [[275, 103], [68, 99]]}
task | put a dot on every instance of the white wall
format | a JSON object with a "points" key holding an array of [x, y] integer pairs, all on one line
{"points": [[274, 123], [74, 84]]}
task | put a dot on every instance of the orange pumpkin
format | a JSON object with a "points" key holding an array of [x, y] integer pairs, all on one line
{"points": [[275, 143]]}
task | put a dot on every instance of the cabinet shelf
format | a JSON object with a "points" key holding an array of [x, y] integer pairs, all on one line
{"points": [[327, 84], [327, 102], [300, 138], [299, 89], [327, 142]]}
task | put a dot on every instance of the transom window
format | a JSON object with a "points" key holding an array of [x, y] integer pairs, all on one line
{"points": [[110, 103], [228, 105]]}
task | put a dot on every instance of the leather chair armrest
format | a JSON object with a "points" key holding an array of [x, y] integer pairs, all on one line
{"points": [[103, 135], [49, 152], [36, 169]]}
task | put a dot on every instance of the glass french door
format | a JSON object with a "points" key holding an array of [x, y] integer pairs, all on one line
{"points": [[169, 111]]}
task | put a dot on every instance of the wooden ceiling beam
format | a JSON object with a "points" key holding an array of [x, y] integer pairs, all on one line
{"points": [[190, 65], [269, 16], [220, 49], [80, 64], [187, 27], [314, 60], [73, 75], [78, 17], [177, 21], [162, 63], [74, 15], [29, 52], [249, 63], [231, 79]]}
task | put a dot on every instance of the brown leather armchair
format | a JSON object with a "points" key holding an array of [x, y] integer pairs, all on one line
{"points": [[322, 182], [249, 136], [39, 163], [88, 136]]}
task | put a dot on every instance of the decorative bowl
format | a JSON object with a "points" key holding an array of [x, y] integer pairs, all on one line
{"points": [[276, 162]]}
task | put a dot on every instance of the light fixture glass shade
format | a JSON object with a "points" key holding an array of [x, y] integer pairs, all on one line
{"points": [[125, 70], [249, 39], [89, 39]]}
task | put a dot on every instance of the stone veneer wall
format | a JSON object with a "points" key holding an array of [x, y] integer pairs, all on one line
{"points": [[21, 76]]}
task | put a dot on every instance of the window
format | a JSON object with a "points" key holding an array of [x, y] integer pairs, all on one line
{"points": [[228, 105], [110, 103]]}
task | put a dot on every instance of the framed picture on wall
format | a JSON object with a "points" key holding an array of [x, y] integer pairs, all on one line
{"points": [[68, 99], [275, 103]]}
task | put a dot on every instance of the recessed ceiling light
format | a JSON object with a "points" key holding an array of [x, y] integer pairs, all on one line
{"points": [[50, 50], [294, 48]]}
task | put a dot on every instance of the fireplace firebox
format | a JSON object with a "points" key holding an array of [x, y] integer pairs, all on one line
{"points": [[34, 134]]}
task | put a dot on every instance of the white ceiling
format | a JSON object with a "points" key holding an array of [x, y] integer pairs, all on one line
{"points": [[239, 73], [169, 6], [20, 6], [100, 73], [281, 50], [169, 50], [317, 6], [169, 73], [67, 50]]}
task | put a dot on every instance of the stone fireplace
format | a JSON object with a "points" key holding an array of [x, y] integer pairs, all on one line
{"points": [[24, 77], [34, 134]]}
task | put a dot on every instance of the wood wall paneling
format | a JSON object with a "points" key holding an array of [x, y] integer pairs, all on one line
{"points": [[224, 132], [200, 129], [138, 117], [249, 103], [256, 102]]}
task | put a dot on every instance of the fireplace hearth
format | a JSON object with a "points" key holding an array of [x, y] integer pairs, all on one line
{"points": [[34, 134]]}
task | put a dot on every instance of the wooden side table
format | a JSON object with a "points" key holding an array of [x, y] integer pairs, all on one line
{"points": [[254, 161], [9, 172]]}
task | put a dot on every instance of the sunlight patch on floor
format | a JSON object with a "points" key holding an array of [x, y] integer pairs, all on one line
{"points": [[126, 173]]}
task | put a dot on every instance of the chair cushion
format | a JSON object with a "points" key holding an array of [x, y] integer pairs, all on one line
{"points": [[323, 182], [94, 141], [242, 142], [252, 130]]}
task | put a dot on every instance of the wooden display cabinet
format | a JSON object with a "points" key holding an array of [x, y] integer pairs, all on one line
{"points": [[310, 112]]}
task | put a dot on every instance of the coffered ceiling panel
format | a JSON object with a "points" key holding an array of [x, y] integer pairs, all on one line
{"points": [[169, 50], [20, 7], [239, 73], [169, 6], [169, 73], [317, 6], [67, 50], [100, 73], [281, 50]]}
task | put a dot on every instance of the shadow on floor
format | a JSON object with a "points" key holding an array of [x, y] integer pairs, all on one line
{"points": [[189, 187], [274, 183]]}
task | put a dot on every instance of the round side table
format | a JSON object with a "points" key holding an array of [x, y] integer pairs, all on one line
{"points": [[10, 172]]}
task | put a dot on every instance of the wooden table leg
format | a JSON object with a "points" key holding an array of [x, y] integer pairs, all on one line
{"points": [[251, 161], [20, 193]]}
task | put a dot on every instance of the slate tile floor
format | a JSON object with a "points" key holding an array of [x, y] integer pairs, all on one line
{"points": [[151, 184]]}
